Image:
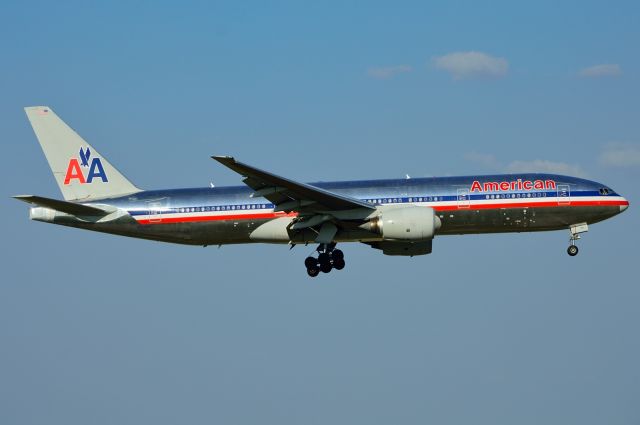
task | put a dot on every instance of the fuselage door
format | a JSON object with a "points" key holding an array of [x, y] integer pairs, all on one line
{"points": [[464, 200], [156, 208], [564, 194]]}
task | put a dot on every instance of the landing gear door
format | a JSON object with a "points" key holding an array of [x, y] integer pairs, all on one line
{"points": [[564, 194]]}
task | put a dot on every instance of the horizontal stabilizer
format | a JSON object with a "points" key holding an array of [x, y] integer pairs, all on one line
{"points": [[64, 206]]}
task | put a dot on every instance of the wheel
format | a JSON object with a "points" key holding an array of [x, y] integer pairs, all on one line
{"points": [[313, 271], [311, 263], [325, 267], [572, 250], [324, 258], [338, 263], [337, 255]]}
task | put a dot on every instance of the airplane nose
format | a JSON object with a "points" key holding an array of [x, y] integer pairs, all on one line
{"points": [[624, 205]]}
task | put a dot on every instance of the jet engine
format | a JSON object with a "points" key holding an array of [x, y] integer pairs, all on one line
{"points": [[405, 223]]}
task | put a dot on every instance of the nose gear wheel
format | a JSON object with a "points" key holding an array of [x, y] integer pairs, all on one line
{"points": [[574, 232]]}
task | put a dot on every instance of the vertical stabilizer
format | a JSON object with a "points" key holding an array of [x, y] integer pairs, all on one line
{"points": [[80, 171]]}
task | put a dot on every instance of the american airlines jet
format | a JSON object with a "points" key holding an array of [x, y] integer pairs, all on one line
{"points": [[397, 217]]}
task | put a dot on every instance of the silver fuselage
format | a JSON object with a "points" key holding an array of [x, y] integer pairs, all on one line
{"points": [[470, 204]]}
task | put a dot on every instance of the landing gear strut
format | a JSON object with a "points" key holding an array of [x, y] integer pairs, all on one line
{"points": [[328, 258], [575, 231]]}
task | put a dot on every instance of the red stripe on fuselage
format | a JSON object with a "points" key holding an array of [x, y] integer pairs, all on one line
{"points": [[190, 219], [270, 215], [572, 203]]}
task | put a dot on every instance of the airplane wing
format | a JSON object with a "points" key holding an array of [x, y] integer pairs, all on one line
{"points": [[288, 195]]}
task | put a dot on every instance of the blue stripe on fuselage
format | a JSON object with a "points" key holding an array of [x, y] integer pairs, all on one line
{"points": [[435, 189]]}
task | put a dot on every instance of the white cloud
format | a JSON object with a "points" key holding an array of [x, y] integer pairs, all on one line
{"points": [[384, 72], [620, 155], [486, 160], [463, 65], [490, 162], [545, 166], [602, 70]]}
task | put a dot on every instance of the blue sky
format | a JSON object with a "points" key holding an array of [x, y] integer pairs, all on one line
{"points": [[495, 329]]}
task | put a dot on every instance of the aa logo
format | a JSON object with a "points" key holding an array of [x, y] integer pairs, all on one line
{"points": [[75, 168]]}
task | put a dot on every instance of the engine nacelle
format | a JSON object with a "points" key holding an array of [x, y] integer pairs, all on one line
{"points": [[404, 248], [405, 223]]}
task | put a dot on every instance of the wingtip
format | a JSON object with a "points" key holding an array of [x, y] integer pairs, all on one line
{"points": [[223, 158], [23, 198], [36, 108]]}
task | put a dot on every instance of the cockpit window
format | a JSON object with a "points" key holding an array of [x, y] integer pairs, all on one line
{"points": [[604, 191]]}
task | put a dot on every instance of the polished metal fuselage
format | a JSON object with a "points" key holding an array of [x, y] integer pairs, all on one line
{"points": [[229, 215]]}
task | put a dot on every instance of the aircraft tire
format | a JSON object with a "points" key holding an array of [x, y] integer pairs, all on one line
{"points": [[313, 271], [337, 255], [325, 267], [572, 250], [311, 262], [324, 258], [338, 263]]}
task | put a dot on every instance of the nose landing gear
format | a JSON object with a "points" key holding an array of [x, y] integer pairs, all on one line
{"points": [[328, 258], [575, 231]]}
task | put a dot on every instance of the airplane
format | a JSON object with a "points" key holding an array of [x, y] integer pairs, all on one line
{"points": [[397, 217]]}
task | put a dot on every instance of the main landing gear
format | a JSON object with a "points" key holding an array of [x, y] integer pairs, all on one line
{"points": [[328, 258], [575, 231]]}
